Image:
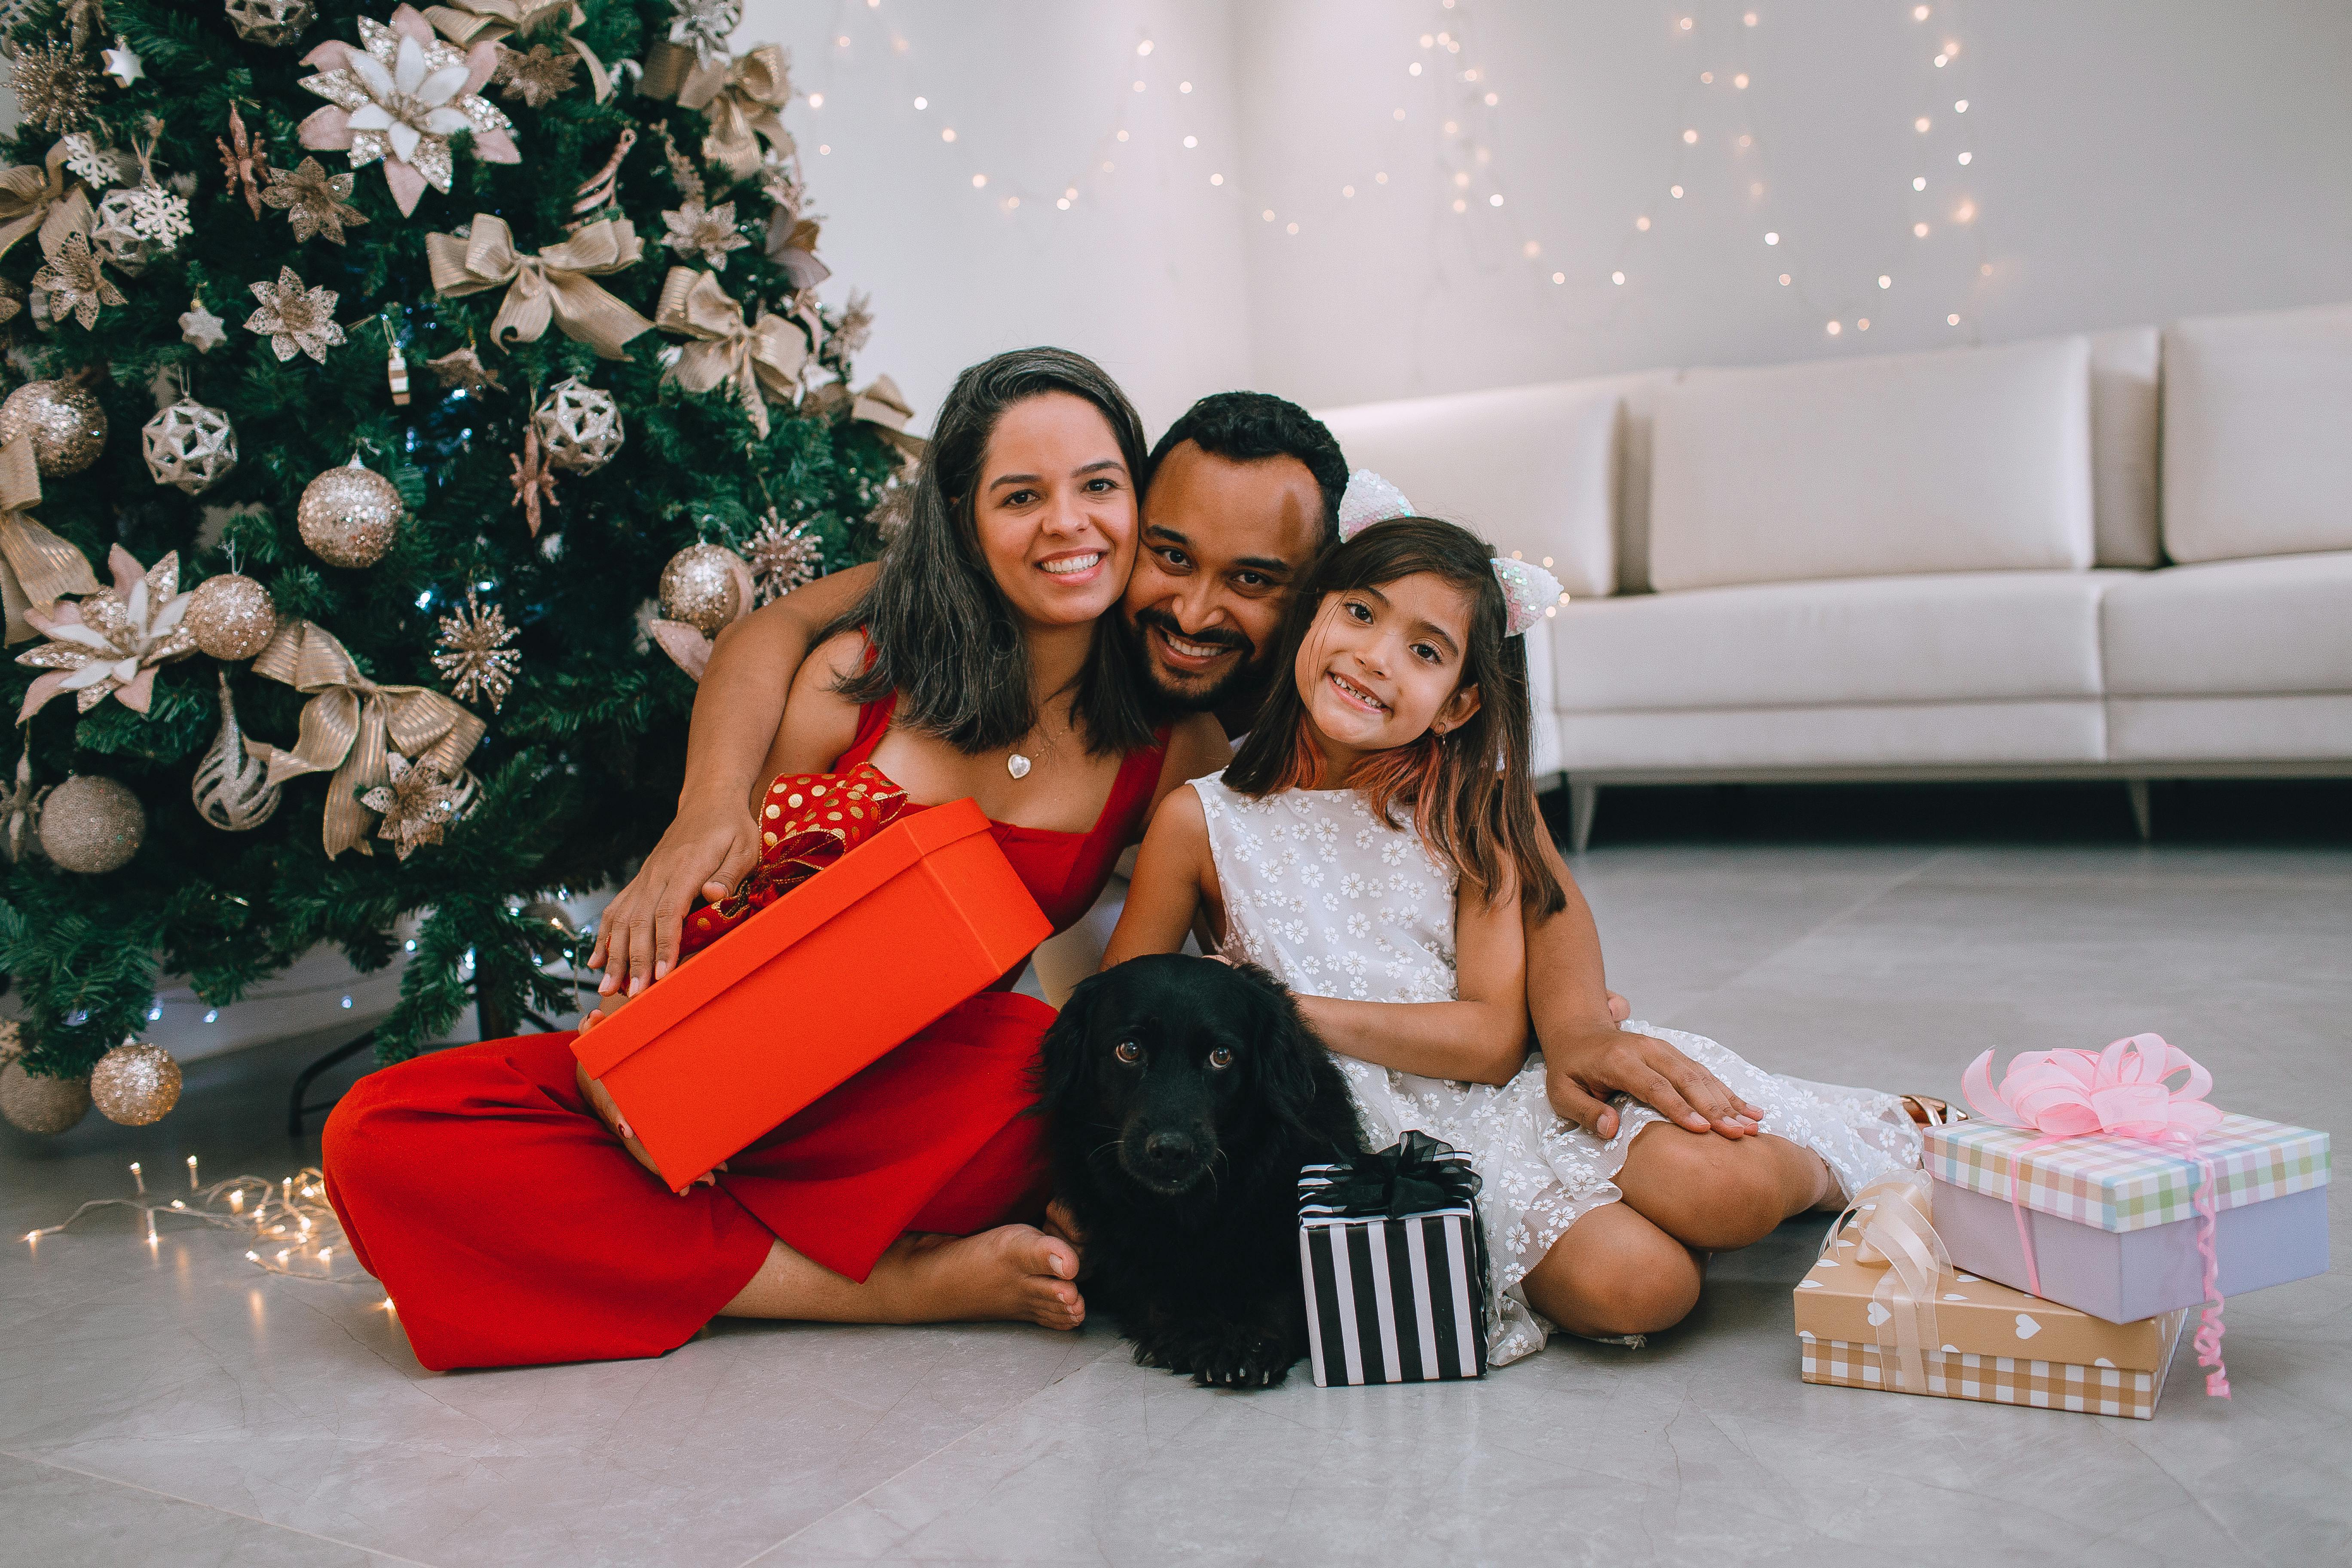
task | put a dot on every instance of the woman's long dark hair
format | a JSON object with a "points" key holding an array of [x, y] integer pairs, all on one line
{"points": [[1472, 790], [944, 636]]}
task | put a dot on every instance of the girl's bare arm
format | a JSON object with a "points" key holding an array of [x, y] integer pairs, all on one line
{"points": [[1480, 1038]]}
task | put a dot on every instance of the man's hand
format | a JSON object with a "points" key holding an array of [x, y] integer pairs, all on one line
{"points": [[1582, 1069], [706, 851]]}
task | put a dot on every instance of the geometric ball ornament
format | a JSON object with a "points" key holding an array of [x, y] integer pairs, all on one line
{"points": [[190, 445], [579, 426]]}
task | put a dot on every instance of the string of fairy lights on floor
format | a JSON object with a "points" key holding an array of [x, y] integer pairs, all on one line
{"points": [[1444, 62], [289, 1225]]}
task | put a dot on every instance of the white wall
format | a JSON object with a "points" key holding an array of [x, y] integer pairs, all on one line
{"points": [[1144, 272], [2131, 161]]}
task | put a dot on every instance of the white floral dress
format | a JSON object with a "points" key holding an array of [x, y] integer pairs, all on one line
{"points": [[1336, 902]]}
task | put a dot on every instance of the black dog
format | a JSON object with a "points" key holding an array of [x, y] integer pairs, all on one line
{"points": [[1185, 1095]]}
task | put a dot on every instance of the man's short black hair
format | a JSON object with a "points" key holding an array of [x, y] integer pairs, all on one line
{"points": [[1245, 426]]}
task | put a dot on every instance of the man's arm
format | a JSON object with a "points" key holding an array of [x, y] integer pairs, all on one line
{"points": [[1587, 1058], [713, 840]]}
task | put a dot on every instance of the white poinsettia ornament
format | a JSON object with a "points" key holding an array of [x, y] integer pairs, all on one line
{"points": [[113, 640], [401, 97]]}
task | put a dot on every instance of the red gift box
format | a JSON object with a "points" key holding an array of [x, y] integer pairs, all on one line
{"points": [[813, 988]]}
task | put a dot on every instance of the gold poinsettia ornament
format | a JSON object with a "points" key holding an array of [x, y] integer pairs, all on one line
{"points": [[400, 97], [416, 803], [113, 640], [295, 319], [314, 201], [76, 282], [710, 233]]}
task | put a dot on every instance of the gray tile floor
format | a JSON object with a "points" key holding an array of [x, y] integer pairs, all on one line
{"points": [[175, 1407]]}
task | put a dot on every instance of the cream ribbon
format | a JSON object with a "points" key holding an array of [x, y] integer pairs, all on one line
{"points": [[346, 724], [37, 567], [880, 404], [762, 360], [467, 20], [1898, 1236], [740, 99], [26, 193], [558, 284]]}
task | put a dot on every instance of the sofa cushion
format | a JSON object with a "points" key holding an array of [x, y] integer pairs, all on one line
{"points": [[1533, 469], [2256, 457], [1957, 736], [1961, 460], [2122, 447], [2310, 727], [1968, 637], [2279, 624]]}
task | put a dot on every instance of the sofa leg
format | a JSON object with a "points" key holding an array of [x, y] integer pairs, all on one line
{"points": [[2143, 815], [1582, 800]]}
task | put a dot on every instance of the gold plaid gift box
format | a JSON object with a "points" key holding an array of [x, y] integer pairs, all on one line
{"points": [[1992, 1343]]}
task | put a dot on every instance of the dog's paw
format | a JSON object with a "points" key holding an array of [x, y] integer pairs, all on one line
{"points": [[1235, 1356]]}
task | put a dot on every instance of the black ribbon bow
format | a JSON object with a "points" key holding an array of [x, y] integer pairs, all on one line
{"points": [[1418, 1175]]}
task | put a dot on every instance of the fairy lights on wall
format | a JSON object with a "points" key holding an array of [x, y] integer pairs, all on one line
{"points": [[1443, 69]]}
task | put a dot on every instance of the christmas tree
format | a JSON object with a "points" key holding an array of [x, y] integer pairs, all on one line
{"points": [[381, 370]]}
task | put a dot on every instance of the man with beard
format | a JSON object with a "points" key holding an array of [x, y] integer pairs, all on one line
{"points": [[1240, 496]]}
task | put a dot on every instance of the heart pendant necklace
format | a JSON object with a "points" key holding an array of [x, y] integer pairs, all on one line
{"points": [[1017, 765]]}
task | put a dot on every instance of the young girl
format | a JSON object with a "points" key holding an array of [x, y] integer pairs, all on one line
{"points": [[1372, 844]]}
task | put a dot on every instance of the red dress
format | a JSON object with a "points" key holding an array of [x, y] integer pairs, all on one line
{"points": [[510, 1228]]}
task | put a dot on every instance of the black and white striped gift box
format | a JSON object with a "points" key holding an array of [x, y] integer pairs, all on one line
{"points": [[1391, 1300]]}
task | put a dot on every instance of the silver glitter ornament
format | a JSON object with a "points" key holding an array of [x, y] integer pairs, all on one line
{"points": [[190, 445], [349, 515], [67, 424], [230, 616], [232, 789], [578, 426], [270, 22], [33, 1103], [92, 824], [116, 238], [135, 1084], [707, 587]]}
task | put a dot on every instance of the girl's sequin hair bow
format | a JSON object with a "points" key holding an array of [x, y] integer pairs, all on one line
{"points": [[1527, 589]]}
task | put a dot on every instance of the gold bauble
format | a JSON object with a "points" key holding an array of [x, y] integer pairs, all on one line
{"points": [[68, 426], [705, 586], [191, 445], [92, 824], [349, 515], [39, 1104], [135, 1084], [231, 615]]}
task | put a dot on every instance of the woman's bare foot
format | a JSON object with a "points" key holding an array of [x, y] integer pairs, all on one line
{"points": [[1015, 1273]]}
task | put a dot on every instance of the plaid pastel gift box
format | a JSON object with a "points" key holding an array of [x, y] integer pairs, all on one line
{"points": [[2112, 1219]]}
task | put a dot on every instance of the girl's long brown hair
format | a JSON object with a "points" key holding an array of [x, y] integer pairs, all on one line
{"points": [[1470, 793]]}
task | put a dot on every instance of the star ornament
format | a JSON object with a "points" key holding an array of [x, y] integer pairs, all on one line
{"points": [[122, 63], [113, 640], [200, 328], [294, 319], [313, 200], [401, 97]]}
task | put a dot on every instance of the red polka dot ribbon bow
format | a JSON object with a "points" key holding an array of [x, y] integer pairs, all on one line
{"points": [[807, 821]]}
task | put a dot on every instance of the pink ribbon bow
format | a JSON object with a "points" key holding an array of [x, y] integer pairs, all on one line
{"points": [[2120, 1091]]}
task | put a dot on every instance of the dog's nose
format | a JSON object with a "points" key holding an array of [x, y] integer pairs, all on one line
{"points": [[1170, 1149]]}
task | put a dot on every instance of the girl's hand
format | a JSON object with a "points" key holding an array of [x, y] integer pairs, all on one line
{"points": [[1619, 1009], [610, 1114]]}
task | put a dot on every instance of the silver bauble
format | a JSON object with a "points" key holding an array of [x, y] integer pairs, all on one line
{"points": [[232, 789], [349, 515], [191, 445], [68, 426], [135, 1084], [231, 615], [707, 587], [92, 824], [270, 21], [578, 426]]}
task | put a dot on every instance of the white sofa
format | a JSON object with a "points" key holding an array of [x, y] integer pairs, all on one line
{"points": [[2126, 554]]}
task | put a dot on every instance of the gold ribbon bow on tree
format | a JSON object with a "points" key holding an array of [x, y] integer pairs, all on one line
{"points": [[558, 284], [741, 100], [347, 724], [498, 20], [37, 567], [880, 404], [28, 192], [762, 360]]}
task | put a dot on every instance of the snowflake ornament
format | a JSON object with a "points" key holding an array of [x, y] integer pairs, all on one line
{"points": [[401, 97]]}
